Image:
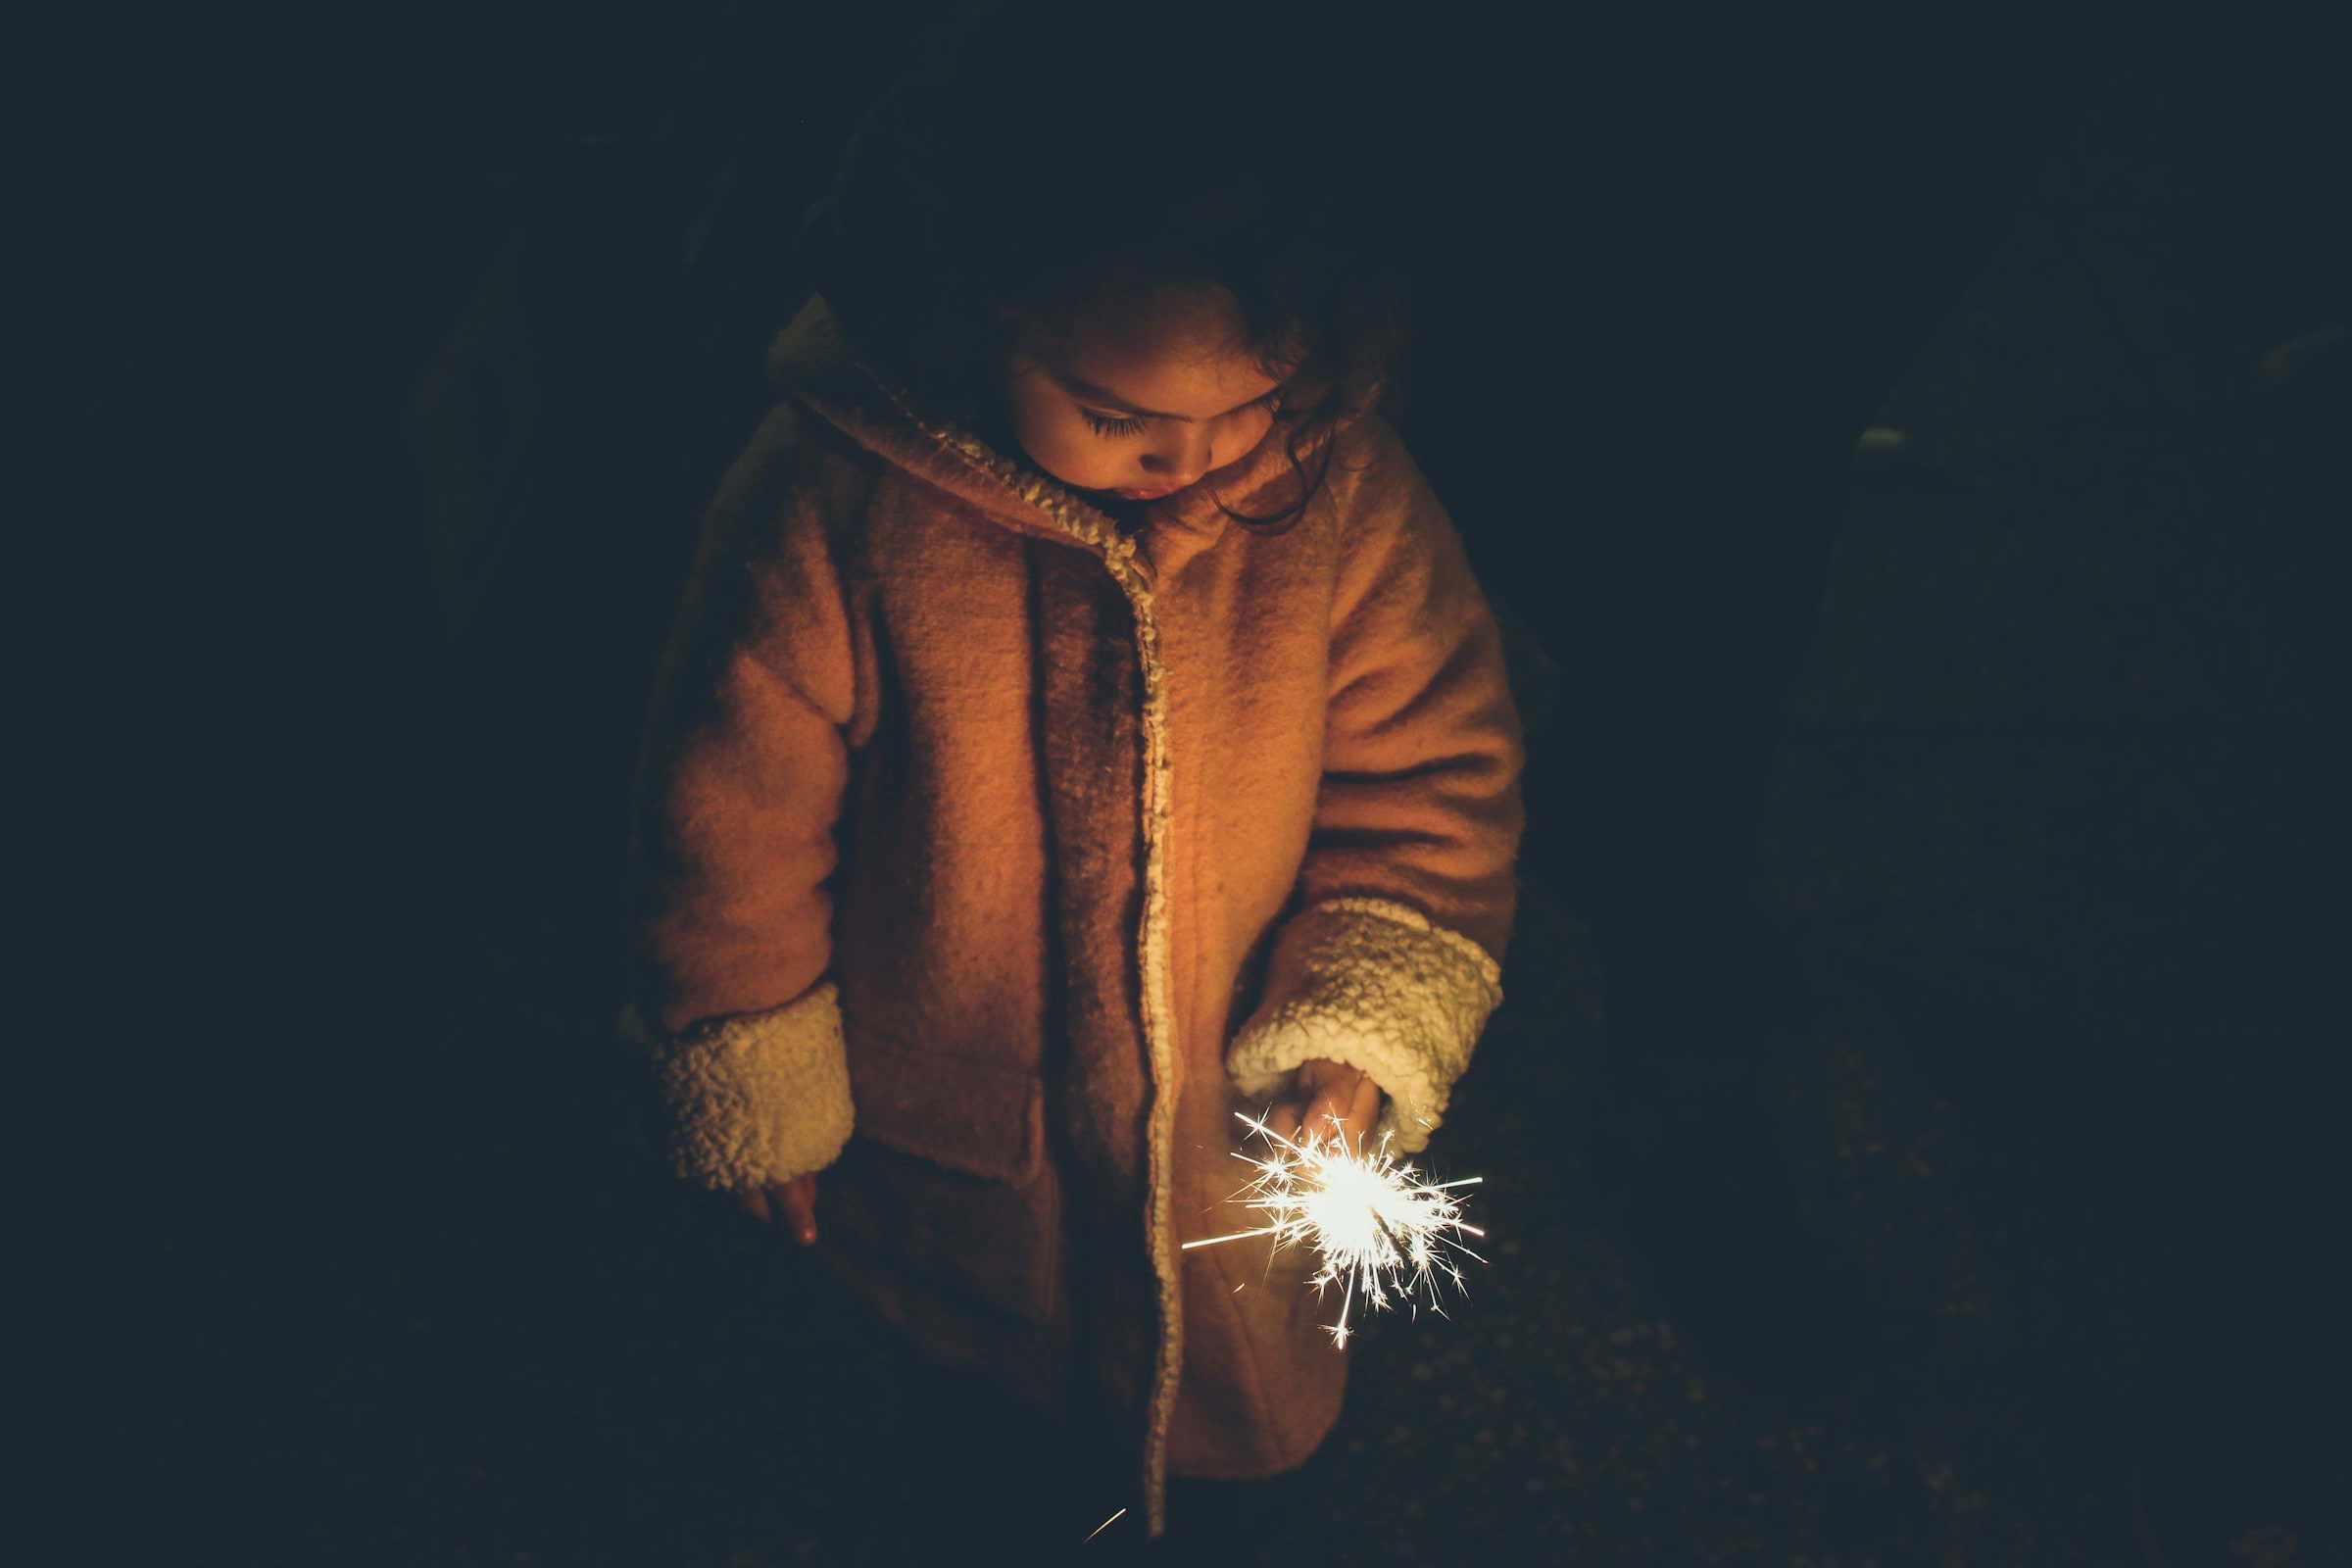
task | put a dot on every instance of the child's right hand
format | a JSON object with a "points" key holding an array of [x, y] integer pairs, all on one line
{"points": [[794, 1200]]}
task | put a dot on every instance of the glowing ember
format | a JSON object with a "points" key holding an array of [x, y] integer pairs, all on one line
{"points": [[1382, 1232]]}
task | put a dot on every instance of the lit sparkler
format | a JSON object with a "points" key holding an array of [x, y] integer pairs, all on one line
{"points": [[1382, 1232]]}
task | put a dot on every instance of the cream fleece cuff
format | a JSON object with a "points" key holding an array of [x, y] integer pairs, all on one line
{"points": [[1378, 985], [758, 1099]]}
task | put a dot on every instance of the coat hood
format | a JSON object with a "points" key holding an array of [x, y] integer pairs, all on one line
{"points": [[813, 361]]}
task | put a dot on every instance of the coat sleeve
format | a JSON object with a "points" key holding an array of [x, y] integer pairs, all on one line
{"points": [[1406, 893], [739, 788]]}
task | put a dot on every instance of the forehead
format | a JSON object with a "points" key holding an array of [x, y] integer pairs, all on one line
{"points": [[1182, 348]]}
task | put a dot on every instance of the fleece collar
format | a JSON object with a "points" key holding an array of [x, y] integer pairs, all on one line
{"points": [[814, 361]]}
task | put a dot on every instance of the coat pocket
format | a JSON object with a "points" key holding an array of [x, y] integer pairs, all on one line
{"points": [[945, 1185], [966, 1114]]}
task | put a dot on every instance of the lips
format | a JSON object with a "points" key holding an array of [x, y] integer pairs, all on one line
{"points": [[1150, 495]]}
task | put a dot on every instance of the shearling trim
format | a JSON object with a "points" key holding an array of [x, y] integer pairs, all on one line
{"points": [[754, 1099], [1378, 985], [1159, 1014]]}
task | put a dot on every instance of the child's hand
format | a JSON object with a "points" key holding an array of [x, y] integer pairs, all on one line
{"points": [[1334, 1096], [795, 1200]]}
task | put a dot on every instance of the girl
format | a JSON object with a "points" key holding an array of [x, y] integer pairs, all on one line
{"points": [[1082, 725]]}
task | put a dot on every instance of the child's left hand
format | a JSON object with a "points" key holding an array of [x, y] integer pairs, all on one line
{"points": [[1326, 1099]]}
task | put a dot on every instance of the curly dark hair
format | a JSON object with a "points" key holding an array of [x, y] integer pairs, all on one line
{"points": [[937, 253]]}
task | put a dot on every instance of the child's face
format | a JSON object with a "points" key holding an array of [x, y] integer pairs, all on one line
{"points": [[1141, 393]]}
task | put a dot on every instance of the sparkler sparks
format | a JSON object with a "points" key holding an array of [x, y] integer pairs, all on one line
{"points": [[1381, 1231]]}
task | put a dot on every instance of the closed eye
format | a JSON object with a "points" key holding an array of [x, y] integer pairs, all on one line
{"points": [[1112, 425], [1107, 424]]}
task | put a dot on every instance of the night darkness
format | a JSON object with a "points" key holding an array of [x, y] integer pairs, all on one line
{"points": [[1914, 1131]]}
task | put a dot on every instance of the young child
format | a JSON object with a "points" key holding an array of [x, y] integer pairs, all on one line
{"points": [[1082, 725]]}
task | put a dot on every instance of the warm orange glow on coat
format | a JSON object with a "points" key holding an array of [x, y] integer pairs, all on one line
{"points": [[975, 833]]}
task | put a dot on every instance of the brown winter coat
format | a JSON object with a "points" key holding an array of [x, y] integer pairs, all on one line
{"points": [[992, 858]]}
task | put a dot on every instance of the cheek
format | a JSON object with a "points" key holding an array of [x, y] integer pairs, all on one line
{"points": [[1247, 434], [1072, 453]]}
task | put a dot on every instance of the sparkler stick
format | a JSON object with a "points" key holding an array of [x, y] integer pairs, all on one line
{"points": [[1380, 1230]]}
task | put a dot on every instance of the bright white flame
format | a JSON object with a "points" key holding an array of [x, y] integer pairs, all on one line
{"points": [[1380, 1230]]}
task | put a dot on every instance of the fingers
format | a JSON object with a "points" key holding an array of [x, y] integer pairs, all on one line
{"points": [[1346, 1102], [1329, 1101], [800, 1207], [1333, 1117], [794, 1202]]}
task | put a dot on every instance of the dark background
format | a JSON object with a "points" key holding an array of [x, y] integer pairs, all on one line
{"points": [[398, 356]]}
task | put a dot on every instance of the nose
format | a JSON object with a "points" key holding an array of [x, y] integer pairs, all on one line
{"points": [[1185, 455]]}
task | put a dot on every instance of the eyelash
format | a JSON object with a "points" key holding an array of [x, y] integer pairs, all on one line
{"points": [[1104, 425]]}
